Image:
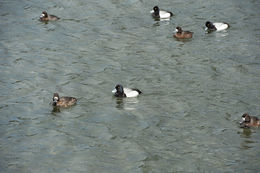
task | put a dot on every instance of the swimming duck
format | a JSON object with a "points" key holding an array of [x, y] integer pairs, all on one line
{"points": [[160, 14], [216, 26], [182, 34], [119, 91], [249, 121], [63, 101], [48, 17]]}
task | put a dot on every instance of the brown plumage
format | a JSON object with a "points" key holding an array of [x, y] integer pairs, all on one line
{"points": [[249, 121], [48, 17], [182, 34], [63, 101]]}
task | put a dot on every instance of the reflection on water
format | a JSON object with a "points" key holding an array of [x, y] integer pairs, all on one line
{"points": [[183, 40], [161, 22], [126, 103], [218, 34], [246, 133], [55, 109], [247, 142], [221, 34]]}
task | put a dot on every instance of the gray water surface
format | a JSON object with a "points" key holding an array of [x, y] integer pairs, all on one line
{"points": [[194, 92]]}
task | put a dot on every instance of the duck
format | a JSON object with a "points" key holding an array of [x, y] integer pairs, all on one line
{"points": [[182, 34], [48, 17], [161, 14], [218, 26], [63, 101], [249, 121], [121, 92]]}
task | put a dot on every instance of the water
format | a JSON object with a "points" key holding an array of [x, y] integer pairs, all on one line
{"points": [[194, 91]]}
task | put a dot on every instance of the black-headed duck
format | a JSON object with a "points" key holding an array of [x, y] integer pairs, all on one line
{"points": [[119, 91], [218, 26], [161, 14]]}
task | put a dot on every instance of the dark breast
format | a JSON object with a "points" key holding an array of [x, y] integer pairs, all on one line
{"points": [[121, 95], [212, 28], [156, 15]]}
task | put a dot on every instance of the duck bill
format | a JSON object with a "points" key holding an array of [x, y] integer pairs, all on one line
{"points": [[152, 11], [114, 91], [242, 121]]}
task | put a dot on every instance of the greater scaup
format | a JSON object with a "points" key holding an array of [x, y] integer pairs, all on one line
{"points": [[63, 101], [119, 91], [48, 17], [182, 34], [161, 14], [249, 121], [218, 26]]}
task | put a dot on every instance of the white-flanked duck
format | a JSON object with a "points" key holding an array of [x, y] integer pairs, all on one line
{"points": [[161, 14], [218, 26], [119, 91]]}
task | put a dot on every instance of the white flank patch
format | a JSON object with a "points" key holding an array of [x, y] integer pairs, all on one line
{"points": [[164, 14], [130, 93], [220, 26]]}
